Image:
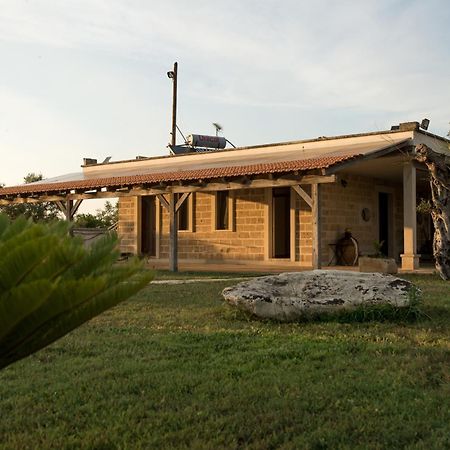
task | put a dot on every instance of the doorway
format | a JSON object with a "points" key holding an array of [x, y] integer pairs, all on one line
{"points": [[385, 223], [148, 225], [281, 224]]}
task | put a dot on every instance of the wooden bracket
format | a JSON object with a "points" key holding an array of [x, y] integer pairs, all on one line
{"points": [[181, 200], [163, 201], [304, 195]]}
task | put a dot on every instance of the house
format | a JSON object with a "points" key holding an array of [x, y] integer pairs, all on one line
{"points": [[281, 206]]}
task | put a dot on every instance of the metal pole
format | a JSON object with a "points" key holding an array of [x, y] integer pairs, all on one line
{"points": [[174, 104], [173, 239]]}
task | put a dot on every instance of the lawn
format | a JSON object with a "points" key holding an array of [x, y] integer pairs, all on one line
{"points": [[176, 368]]}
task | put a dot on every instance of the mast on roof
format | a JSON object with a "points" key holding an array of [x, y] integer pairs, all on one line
{"points": [[173, 75]]}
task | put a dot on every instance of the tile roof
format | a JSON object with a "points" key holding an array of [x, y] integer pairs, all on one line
{"points": [[180, 175], [299, 156]]}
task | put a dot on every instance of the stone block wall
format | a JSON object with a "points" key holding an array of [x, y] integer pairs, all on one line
{"points": [[303, 229], [128, 226], [244, 241], [341, 208]]}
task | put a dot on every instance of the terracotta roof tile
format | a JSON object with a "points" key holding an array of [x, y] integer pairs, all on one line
{"points": [[182, 175]]}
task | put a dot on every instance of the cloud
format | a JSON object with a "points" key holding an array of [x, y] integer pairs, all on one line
{"points": [[373, 55]]}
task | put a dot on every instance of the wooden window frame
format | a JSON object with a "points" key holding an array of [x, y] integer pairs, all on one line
{"points": [[190, 204], [231, 226]]}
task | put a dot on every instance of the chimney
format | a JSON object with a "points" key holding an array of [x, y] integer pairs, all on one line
{"points": [[409, 126], [89, 161]]}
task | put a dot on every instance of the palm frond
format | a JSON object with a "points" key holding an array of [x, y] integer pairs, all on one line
{"points": [[51, 284]]}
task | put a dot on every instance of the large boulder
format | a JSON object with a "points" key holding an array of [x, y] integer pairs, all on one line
{"points": [[292, 296]]}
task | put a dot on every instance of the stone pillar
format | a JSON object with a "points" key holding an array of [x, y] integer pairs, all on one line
{"points": [[410, 258]]}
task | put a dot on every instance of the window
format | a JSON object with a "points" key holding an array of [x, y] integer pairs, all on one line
{"points": [[223, 210], [185, 214]]}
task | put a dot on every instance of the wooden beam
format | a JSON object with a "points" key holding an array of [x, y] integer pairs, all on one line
{"points": [[304, 195], [258, 183], [69, 208], [254, 184], [315, 193], [76, 206], [181, 200], [293, 228], [61, 206], [22, 200], [163, 201], [173, 240]]}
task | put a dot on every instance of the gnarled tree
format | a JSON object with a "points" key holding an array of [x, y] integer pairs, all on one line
{"points": [[439, 172]]}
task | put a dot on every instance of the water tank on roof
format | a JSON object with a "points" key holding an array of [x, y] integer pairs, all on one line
{"points": [[200, 140]]}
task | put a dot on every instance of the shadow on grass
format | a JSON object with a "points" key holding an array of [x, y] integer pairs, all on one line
{"points": [[413, 313], [181, 275]]}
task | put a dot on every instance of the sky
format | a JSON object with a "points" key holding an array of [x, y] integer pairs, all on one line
{"points": [[87, 78]]}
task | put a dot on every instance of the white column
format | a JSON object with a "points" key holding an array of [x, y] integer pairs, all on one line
{"points": [[410, 258]]}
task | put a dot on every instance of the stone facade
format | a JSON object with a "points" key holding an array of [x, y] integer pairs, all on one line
{"points": [[341, 208], [244, 239], [128, 226], [248, 238]]}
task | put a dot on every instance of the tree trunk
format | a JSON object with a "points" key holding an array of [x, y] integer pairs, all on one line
{"points": [[440, 208]]}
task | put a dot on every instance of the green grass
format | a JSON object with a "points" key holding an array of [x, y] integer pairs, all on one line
{"points": [[176, 368]]}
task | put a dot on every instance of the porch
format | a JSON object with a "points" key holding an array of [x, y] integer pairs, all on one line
{"points": [[263, 267]]}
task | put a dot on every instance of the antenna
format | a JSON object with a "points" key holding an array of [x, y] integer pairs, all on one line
{"points": [[218, 127]]}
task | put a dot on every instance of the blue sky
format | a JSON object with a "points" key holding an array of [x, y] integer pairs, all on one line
{"points": [[87, 78]]}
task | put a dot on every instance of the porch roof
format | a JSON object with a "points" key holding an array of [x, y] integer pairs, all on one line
{"points": [[300, 157]]}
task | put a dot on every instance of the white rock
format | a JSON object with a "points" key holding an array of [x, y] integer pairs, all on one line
{"points": [[292, 296]]}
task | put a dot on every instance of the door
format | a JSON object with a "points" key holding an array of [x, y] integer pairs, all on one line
{"points": [[281, 224], [148, 225]]}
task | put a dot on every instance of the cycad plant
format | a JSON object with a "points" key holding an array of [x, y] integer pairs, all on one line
{"points": [[50, 284]]}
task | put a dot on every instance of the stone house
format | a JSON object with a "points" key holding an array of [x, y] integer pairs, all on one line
{"points": [[274, 206]]}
